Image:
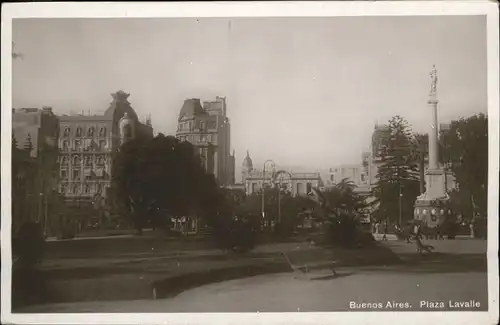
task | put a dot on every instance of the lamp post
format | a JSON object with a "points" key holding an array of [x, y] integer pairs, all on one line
{"points": [[400, 205], [263, 185], [40, 207]]}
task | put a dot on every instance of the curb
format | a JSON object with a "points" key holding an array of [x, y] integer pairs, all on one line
{"points": [[175, 285]]}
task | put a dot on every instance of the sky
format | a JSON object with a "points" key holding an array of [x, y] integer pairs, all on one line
{"points": [[304, 92]]}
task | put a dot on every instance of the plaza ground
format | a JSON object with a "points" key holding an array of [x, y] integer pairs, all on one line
{"points": [[286, 293], [457, 272]]}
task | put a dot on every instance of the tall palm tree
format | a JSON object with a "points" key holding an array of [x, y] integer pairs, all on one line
{"points": [[420, 144], [345, 186]]}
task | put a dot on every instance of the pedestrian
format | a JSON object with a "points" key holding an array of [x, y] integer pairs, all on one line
{"points": [[439, 235], [418, 232], [385, 231]]}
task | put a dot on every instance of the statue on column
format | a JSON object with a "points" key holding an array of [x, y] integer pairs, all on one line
{"points": [[434, 79]]}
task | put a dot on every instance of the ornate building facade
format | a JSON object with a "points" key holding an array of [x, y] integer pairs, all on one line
{"points": [[86, 145], [208, 129], [296, 183]]}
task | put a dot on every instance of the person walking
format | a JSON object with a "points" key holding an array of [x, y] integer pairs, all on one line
{"points": [[418, 232], [386, 226], [439, 235]]}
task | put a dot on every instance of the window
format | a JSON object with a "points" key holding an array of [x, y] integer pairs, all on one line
{"points": [[76, 175], [76, 160], [76, 189], [203, 161], [102, 132], [64, 174], [203, 138], [254, 186], [202, 126], [299, 188], [100, 160], [102, 144], [79, 132], [309, 188], [78, 145], [66, 132], [332, 178], [65, 145], [90, 132], [363, 178]]}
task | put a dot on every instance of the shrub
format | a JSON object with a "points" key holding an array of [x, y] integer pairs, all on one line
{"points": [[235, 235], [28, 245], [67, 232], [366, 239], [283, 229], [347, 233]]}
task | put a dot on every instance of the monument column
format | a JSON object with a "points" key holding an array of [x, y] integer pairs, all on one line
{"points": [[432, 207], [433, 132]]}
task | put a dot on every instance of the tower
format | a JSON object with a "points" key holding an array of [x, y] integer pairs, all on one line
{"points": [[246, 167], [432, 207]]}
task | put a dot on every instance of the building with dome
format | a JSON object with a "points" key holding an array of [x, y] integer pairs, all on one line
{"points": [[208, 129], [86, 145], [297, 183]]}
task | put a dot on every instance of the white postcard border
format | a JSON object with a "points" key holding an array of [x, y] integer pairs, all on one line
{"points": [[256, 9]]}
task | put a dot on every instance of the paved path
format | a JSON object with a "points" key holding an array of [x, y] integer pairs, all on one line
{"points": [[284, 293], [457, 246], [391, 237]]}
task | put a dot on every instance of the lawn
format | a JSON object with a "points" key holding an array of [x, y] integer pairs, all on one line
{"points": [[129, 268]]}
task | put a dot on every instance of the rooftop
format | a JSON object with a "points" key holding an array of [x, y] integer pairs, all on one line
{"points": [[191, 107]]}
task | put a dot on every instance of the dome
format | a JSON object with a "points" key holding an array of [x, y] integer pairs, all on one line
{"points": [[247, 162], [126, 120], [191, 107], [126, 125]]}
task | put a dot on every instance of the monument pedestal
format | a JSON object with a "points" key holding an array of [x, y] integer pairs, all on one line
{"points": [[432, 208]]}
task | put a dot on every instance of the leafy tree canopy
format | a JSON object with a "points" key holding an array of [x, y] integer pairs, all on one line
{"points": [[163, 176], [465, 147]]}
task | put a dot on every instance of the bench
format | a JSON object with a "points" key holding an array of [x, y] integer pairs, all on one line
{"points": [[305, 268]]}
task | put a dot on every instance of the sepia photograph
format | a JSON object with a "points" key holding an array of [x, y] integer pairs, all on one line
{"points": [[258, 163]]}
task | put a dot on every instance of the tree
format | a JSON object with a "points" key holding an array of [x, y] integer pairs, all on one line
{"points": [[343, 196], [162, 176], [339, 208], [420, 149], [23, 181], [465, 147], [398, 185]]}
